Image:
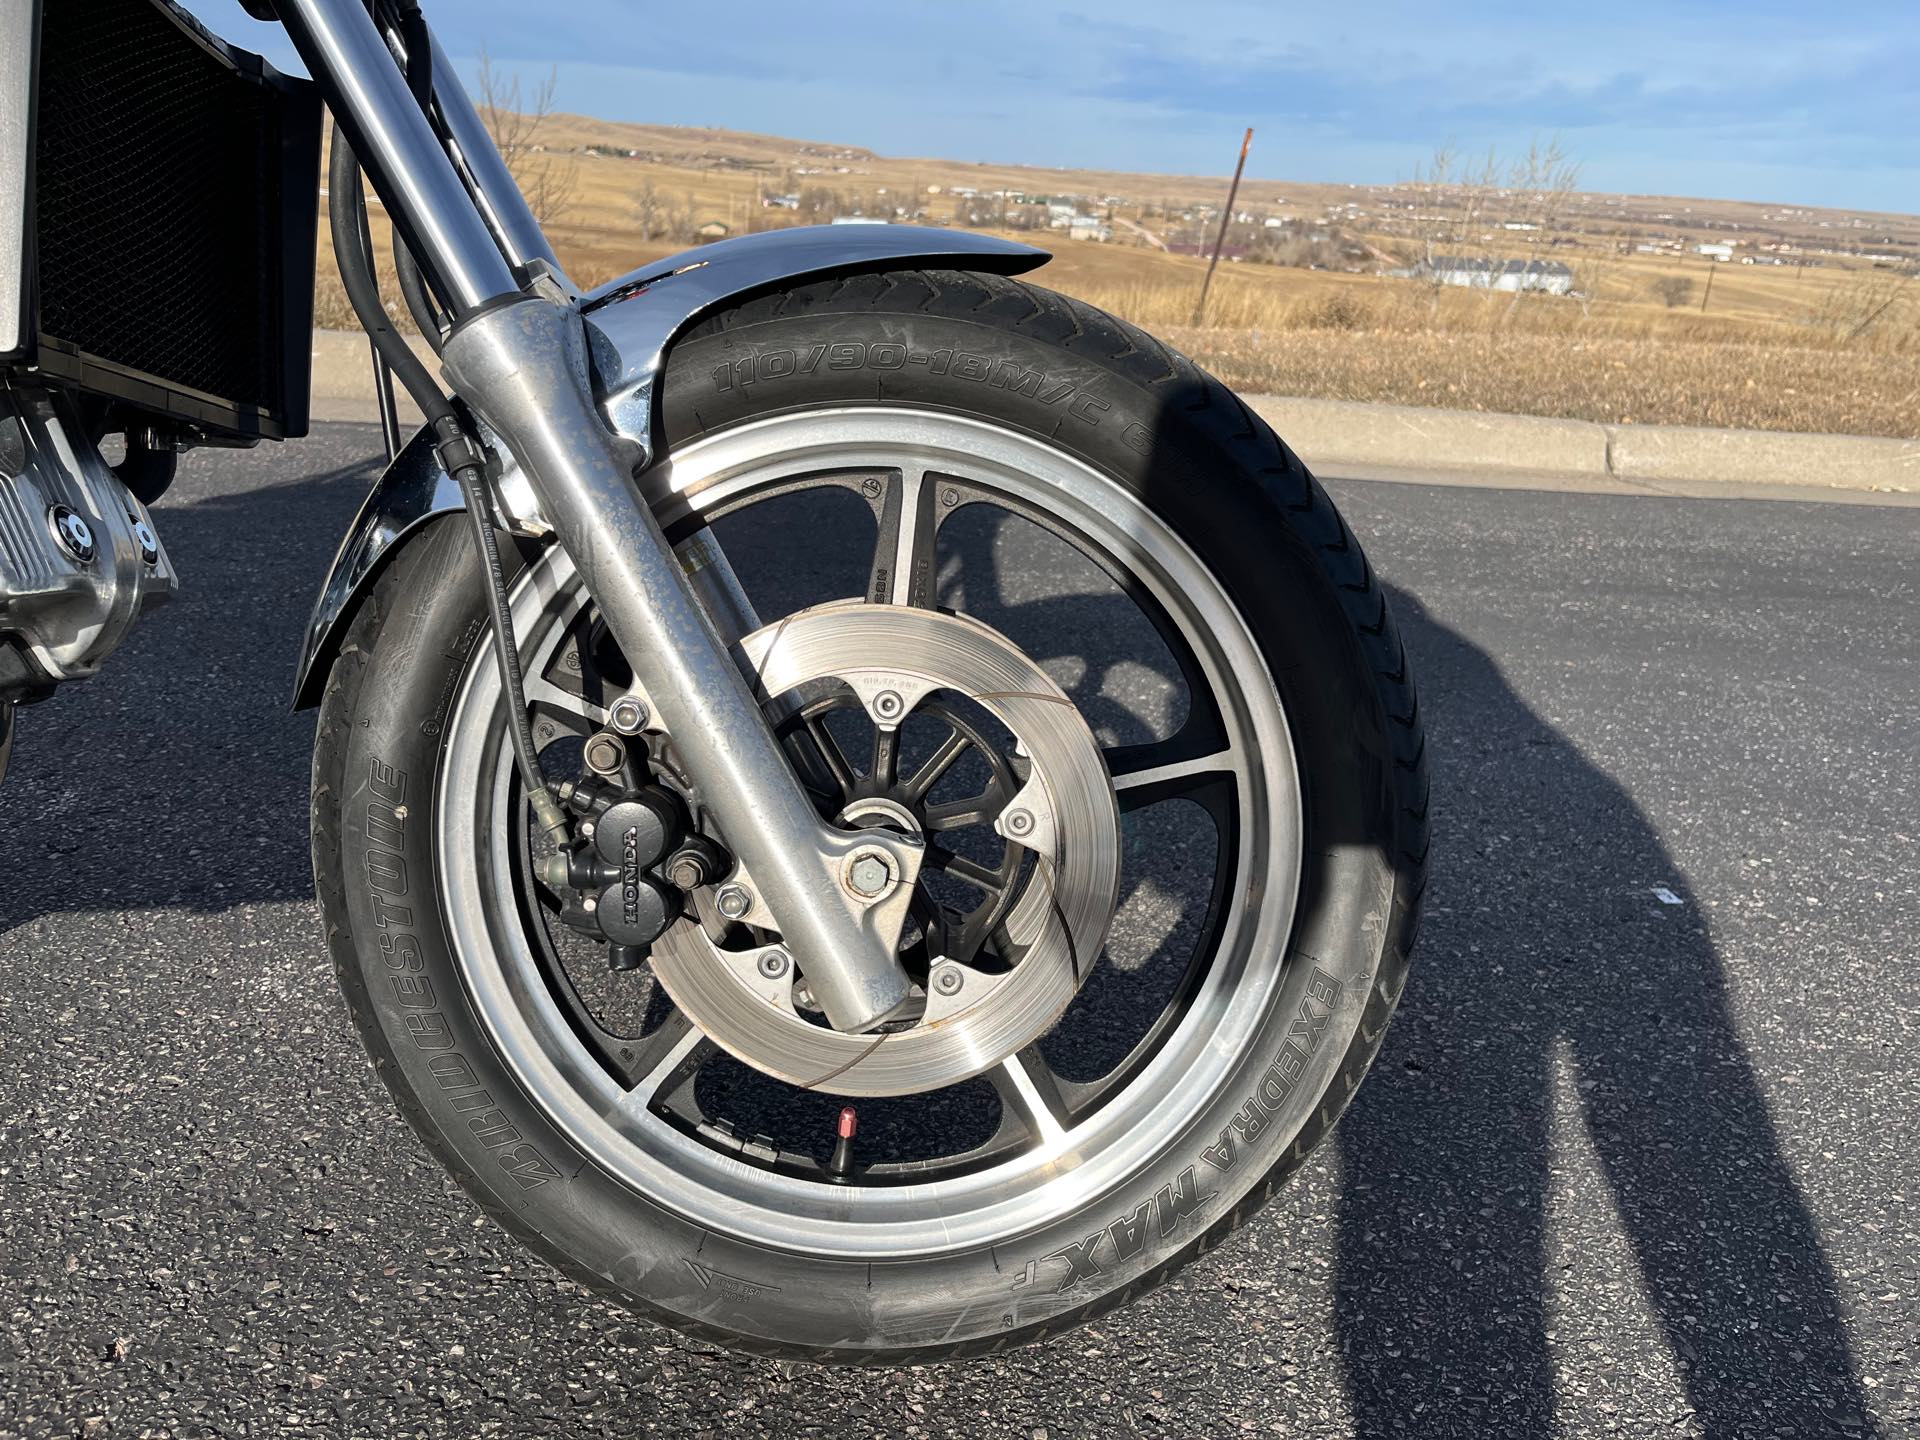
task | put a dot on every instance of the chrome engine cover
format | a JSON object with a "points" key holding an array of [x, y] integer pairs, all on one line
{"points": [[79, 555]]}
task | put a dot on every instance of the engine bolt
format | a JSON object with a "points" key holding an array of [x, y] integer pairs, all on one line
{"points": [[773, 964], [734, 901], [628, 715], [73, 532], [948, 979], [1019, 822], [888, 705]]}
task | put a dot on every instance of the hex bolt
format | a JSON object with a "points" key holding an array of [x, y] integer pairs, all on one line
{"points": [[589, 903], [586, 829], [687, 871], [73, 532], [948, 979], [605, 754], [773, 964], [628, 716], [888, 705], [868, 874], [734, 901], [1019, 822]]}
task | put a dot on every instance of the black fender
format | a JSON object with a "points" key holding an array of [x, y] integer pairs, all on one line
{"points": [[632, 323]]}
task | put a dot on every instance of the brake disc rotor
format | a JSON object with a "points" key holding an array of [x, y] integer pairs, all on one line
{"points": [[893, 658]]}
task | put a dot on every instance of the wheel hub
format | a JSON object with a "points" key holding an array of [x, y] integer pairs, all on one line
{"points": [[1052, 806]]}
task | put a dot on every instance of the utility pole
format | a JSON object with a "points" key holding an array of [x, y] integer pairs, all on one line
{"points": [[1233, 192], [1712, 265]]}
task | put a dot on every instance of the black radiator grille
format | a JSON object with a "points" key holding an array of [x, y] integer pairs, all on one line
{"points": [[158, 206]]}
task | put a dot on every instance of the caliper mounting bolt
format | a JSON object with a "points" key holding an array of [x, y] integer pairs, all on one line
{"points": [[604, 754], [628, 715]]}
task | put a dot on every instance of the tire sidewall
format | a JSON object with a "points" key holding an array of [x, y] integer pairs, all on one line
{"points": [[1281, 1097]]}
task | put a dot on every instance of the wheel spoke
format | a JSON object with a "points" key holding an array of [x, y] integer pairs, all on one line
{"points": [[1029, 1089], [970, 872], [881, 772], [668, 1058], [935, 766], [903, 551], [1147, 774], [831, 754], [544, 693], [978, 810]]}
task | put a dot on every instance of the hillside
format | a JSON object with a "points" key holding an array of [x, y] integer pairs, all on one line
{"points": [[1811, 322]]}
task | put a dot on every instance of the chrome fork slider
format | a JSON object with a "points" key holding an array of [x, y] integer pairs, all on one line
{"points": [[523, 366]]}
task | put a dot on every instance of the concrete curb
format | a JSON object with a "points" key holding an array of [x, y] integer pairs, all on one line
{"points": [[343, 378], [1336, 436]]}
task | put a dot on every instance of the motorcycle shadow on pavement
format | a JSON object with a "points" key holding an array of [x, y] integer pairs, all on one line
{"points": [[178, 777], [1557, 1003]]}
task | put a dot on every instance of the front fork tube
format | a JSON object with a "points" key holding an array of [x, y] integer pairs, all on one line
{"points": [[522, 365]]}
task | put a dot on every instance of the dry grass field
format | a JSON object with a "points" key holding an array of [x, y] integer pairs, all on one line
{"points": [[1766, 347]]}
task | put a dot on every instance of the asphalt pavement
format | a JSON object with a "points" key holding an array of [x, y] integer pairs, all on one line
{"points": [[1639, 1156]]}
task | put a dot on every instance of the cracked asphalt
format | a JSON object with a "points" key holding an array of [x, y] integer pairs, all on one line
{"points": [[1639, 1155]]}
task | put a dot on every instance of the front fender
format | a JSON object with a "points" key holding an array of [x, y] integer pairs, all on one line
{"points": [[632, 323]]}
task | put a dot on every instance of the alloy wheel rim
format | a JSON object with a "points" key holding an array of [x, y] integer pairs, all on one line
{"points": [[1067, 1164]]}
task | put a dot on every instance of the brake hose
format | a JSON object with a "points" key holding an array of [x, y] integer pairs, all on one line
{"points": [[346, 213]]}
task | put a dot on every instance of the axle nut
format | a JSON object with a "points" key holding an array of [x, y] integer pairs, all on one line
{"points": [[734, 901], [869, 874]]}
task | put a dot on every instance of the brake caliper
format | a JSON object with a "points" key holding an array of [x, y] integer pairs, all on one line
{"points": [[632, 857]]}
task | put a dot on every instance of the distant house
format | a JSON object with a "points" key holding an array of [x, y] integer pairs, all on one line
{"points": [[1549, 277], [1089, 227], [1716, 251], [1189, 247], [714, 230], [859, 220]]}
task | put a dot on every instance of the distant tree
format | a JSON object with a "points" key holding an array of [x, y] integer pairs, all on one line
{"points": [[818, 203], [1543, 182], [516, 123], [1676, 290], [680, 223], [649, 211]]}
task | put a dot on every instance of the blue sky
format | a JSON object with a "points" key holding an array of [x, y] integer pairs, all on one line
{"points": [[1757, 100]]}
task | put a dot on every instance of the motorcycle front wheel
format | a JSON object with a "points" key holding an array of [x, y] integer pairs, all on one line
{"points": [[1141, 1010]]}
